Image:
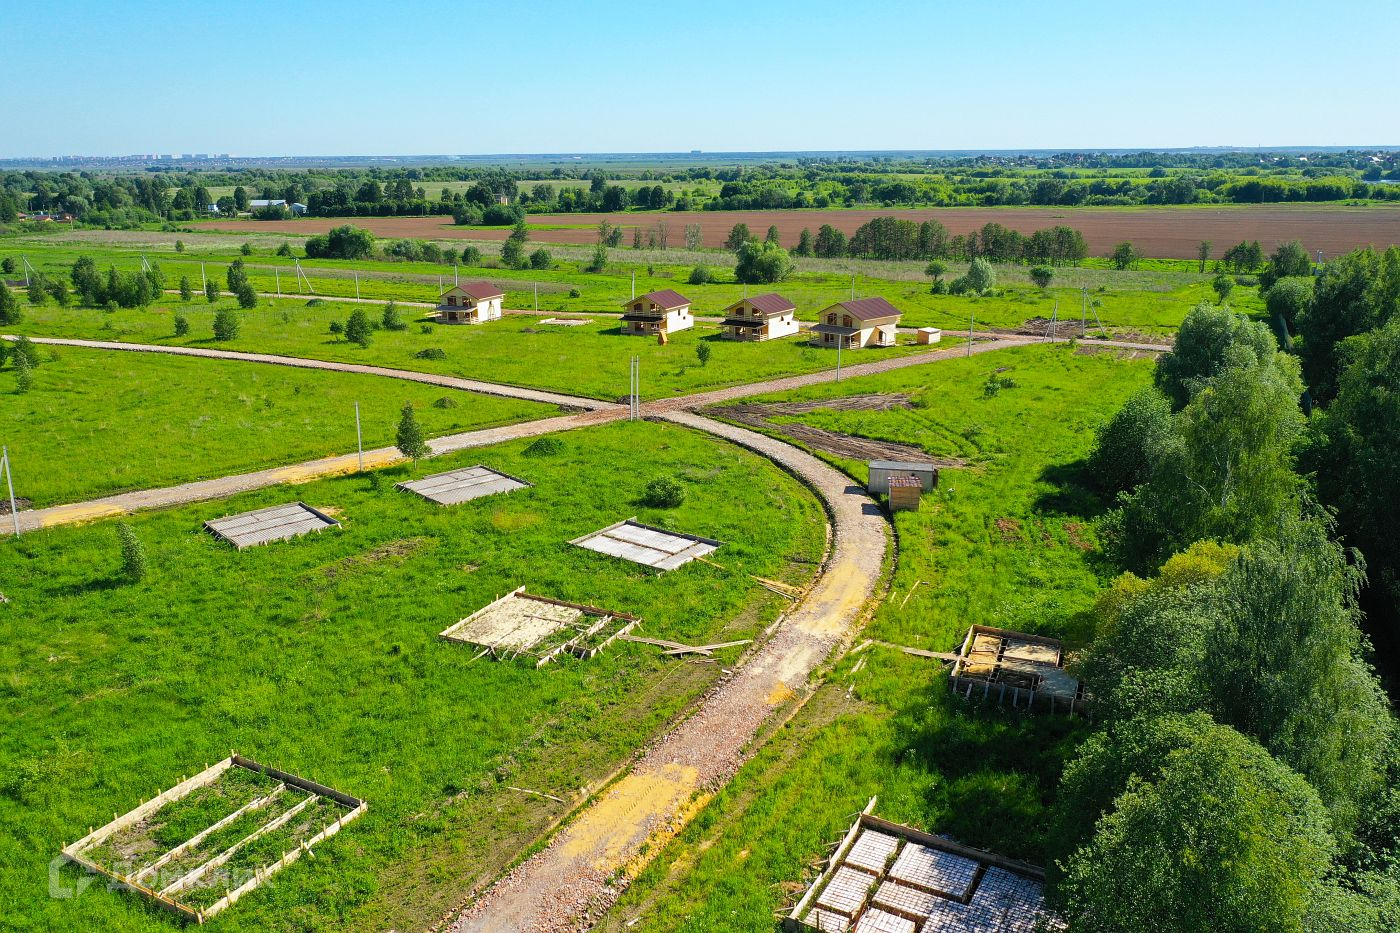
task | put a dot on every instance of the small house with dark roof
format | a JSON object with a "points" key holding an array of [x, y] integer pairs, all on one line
{"points": [[660, 312], [861, 322], [470, 303], [762, 317]]}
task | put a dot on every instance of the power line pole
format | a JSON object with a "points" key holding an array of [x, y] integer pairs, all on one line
{"points": [[839, 344], [359, 440], [10, 479], [277, 277], [971, 323], [203, 282], [537, 297], [357, 284]]}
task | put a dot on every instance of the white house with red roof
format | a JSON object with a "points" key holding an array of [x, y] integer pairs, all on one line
{"points": [[470, 303], [762, 317], [862, 322], [660, 312]]}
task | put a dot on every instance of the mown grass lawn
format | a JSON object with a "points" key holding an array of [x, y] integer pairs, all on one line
{"points": [[1003, 542], [97, 422], [590, 359], [320, 656]]}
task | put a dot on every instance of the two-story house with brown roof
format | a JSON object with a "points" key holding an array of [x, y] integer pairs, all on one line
{"points": [[660, 312], [762, 317], [470, 303], [862, 322]]}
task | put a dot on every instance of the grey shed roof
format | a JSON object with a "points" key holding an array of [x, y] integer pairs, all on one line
{"points": [[910, 465]]}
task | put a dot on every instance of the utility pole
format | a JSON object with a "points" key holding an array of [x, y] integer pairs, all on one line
{"points": [[537, 297], [454, 275], [634, 284], [357, 284], [839, 344], [203, 282], [971, 323], [359, 440], [10, 479], [1084, 316], [853, 286], [277, 277]]}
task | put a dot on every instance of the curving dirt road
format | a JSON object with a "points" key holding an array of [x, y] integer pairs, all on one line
{"points": [[569, 883]]}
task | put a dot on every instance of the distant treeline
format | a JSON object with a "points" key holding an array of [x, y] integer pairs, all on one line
{"points": [[1069, 179], [895, 238]]}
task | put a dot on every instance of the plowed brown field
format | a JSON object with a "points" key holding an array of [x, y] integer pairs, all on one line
{"points": [[1158, 232]]}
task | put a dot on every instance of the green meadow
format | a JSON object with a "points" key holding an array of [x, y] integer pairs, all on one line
{"points": [[98, 422], [320, 656], [1003, 542]]}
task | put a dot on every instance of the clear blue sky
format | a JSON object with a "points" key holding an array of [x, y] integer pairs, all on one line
{"points": [[351, 77]]}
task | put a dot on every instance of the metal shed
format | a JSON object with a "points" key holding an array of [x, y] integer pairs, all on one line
{"points": [[882, 470]]}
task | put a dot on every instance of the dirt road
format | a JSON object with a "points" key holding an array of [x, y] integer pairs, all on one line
{"points": [[568, 884]]}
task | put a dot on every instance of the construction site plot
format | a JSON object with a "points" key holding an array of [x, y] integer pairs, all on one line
{"points": [[457, 486], [888, 878], [200, 846], [653, 547], [1016, 668], [539, 629], [271, 524]]}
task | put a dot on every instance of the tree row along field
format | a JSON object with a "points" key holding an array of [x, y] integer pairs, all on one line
{"points": [[1158, 232], [1144, 302]]}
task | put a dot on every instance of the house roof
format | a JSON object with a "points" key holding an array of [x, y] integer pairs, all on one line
{"points": [[869, 309], [665, 298], [771, 303], [481, 291]]}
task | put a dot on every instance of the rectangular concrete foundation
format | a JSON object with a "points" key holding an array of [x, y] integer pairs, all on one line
{"points": [[888, 878]]}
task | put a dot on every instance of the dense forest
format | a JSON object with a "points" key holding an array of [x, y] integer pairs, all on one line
{"points": [[1243, 771]]}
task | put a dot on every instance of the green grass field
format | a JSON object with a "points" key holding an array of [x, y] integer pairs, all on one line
{"points": [[589, 359], [320, 656], [1150, 300], [1002, 542], [97, 422]]}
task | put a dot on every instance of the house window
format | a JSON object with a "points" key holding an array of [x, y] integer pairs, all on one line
{"points": [[452, 299], [637, 306], [846, 321], [831, 319]]}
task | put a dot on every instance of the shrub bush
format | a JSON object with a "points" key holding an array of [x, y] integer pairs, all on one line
{"points": [[544, 447], [663, 493], [431, 353]]}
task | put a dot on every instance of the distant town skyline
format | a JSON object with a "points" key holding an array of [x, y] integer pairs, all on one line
{"points": [[355, 78]]}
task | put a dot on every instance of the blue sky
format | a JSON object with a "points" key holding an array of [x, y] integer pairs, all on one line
{"points": [[352, 77]]}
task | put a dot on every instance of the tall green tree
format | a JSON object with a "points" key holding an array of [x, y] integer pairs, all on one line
{"points": [[357, 329], [1356, 293], [762, 263], [226, 324], [1290, 259], [1200, 830], [10, 312], [1202, 347], [1203, 255], [981, 277], [738, 235], [1358, 448], [513, 249], [1128, 444], [409, 437], [1124, 256], [133, 554]]}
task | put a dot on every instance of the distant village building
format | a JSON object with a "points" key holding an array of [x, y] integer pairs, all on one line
{"points": [[258, 204], [661, 312], [762, 317], [470, 303], [862, 322]]}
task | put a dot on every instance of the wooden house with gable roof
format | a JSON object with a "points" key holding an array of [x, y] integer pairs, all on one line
{"points": [[862, 322], [762, 317], [470, 303], [659, 312]]}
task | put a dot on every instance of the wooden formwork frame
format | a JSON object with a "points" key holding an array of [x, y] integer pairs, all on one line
{"points": [[604, 617], [967, 684], [163, 898]]}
